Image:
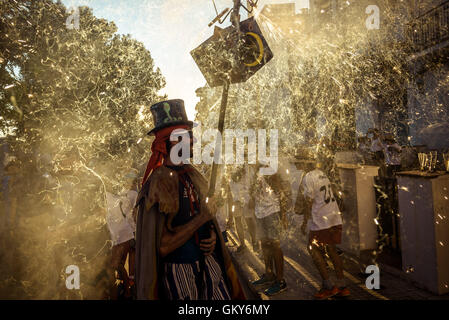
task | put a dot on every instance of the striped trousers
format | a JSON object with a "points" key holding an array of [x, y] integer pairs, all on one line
{"points": [[180, 281]]}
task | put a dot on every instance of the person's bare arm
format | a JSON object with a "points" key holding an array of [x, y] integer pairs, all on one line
{"points": [[307, 214], [284, 193], [308, 209], [299, 207], [171, 241]]}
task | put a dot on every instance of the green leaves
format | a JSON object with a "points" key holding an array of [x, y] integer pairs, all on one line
{"points": [[87, 85], [74, 103]]}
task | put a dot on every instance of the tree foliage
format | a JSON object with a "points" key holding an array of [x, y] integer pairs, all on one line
{"points": [[74, 106]]}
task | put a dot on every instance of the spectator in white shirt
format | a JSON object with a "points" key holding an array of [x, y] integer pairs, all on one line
{"points": [[120, 218], [325, 230], [241, 207], [272, 198]]}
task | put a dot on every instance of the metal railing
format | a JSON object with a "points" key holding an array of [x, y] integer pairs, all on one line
{"points": [[430, 28]]}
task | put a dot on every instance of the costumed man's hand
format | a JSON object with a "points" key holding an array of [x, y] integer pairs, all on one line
{"points": [[208, 245]]}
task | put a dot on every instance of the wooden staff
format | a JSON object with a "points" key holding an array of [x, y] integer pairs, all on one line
{"points": [[235, 20], [218, 145]]}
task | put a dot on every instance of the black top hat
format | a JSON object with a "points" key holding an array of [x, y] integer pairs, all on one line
{"points": [[169, 113]]}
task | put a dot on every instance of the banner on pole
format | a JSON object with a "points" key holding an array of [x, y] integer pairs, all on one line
{"points": [[223, 55]]}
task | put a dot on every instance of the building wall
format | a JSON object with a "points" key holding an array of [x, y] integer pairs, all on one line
{"points": [[427, 92], [366, 117], [428, 107], [422, 6]]}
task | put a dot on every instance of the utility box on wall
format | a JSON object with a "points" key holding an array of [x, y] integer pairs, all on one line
{"points": [[359, 227], [424, 224]]}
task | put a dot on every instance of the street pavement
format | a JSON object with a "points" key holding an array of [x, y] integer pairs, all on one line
{"points": [[303, 280]]}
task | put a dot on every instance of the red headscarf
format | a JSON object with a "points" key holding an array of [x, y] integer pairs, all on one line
{"points": [[159, 148]]}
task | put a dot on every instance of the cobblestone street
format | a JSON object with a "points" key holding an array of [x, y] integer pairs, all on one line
{"points": [[303, 280]]}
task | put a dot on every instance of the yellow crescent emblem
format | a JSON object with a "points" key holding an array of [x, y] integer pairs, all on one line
{"points": [[260, 44]]}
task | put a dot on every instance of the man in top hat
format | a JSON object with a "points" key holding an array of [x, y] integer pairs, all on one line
{"points": [[180, 252]]}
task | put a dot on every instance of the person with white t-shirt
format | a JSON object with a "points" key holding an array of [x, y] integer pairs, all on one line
{"points": [[241, 208], [272, 198], [325, 229], [223, 203], [119, 218], [121, 223]]}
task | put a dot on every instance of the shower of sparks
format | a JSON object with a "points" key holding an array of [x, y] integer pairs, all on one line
{"points": [[323, 86], [74, 103]]}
